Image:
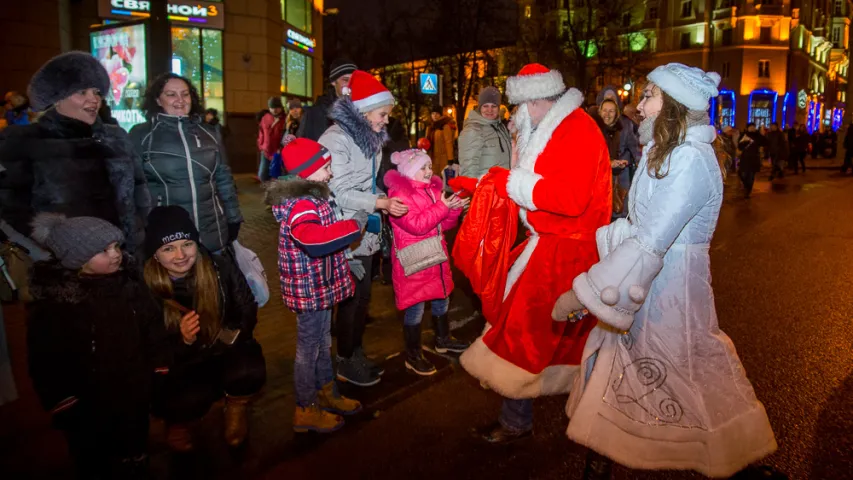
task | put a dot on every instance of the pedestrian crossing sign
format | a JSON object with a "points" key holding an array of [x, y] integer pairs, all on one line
{"points": [[429, 83]]}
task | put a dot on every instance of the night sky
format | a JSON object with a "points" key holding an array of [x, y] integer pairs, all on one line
{"points": [[373, 33]]}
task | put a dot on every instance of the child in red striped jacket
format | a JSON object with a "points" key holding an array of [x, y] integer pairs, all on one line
{"points": [[314, 277]]}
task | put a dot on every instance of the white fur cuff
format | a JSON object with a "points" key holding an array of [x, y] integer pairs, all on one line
{"points": [[524, 88], [520, 187], [590, 297]]}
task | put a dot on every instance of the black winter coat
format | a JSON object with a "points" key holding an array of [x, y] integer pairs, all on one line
{"points": [[94, 339], [238, 307], [185, 164], [315, 120], [750, 145], [63, 165], [777, 146]]}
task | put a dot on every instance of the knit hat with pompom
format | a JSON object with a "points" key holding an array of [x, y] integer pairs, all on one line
{"points": [[410, 161], [74, 241]]}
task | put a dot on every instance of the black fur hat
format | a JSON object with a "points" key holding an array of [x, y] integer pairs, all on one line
{"points": [[65, 74]]}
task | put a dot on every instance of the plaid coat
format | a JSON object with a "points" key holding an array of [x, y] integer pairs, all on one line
{"points": [[311, 260]]}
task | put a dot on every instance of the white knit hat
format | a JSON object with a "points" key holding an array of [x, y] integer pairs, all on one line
{"points": [[690, 86], [534, 82]]}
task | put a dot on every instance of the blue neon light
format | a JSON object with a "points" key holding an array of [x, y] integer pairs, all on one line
{"points": [[763, 91], [785, 110], [121, 12], [728, 93]]}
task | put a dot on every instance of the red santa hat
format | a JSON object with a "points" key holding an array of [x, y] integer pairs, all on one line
{"points": [[303, 156], [535, 81], [366, 92]]}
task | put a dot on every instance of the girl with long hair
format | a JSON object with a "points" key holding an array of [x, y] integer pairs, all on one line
{"points": [[207, 300], [660, 386]]}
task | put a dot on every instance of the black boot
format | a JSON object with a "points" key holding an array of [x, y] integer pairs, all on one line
{"points": [[415, 360], [444, 341]]}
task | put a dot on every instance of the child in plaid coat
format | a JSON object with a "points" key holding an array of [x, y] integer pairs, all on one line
{"points": [[314, 277]]}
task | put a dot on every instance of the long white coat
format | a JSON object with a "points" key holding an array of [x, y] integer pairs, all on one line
{"points": [[663, 386]]}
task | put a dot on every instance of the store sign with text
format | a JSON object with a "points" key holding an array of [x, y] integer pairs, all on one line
{"points": [[198, 14], [301, 41]]}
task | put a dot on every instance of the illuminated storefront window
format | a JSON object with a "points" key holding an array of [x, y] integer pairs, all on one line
{"points": [[296, 73], [197, 55], [762, 107], [837, 118], [297, 13], [723, 109]]}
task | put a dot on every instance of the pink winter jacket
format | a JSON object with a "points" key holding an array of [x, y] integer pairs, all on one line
{"points": [[426, 212]]}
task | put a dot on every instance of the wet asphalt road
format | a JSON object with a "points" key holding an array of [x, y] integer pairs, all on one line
{"points": [[782, 272]]}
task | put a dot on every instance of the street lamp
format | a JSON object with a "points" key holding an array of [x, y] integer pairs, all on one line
{"points": [[450, 111], [627, 87]]}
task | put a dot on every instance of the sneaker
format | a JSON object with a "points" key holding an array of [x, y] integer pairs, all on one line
{"points": [[313, 419], [331, 401], [416, 362], [450, 344], [375, 369], [352, 371]]}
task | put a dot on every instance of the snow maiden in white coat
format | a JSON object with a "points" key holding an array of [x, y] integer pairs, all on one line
{"points": [[663, 387]]}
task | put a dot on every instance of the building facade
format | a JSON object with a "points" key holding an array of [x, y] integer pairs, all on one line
{"points": [[238, 53]]}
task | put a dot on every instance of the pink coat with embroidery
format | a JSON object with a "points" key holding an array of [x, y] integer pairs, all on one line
{"points": [[426, 213]]}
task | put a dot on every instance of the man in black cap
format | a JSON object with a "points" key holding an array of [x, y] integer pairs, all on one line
{"points": [[315, 120]]}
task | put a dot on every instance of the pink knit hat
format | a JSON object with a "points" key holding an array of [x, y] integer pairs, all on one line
{"points": [[410, 161]]}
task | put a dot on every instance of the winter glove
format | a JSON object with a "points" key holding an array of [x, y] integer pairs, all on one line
{"points": [[233, 231], [464, 185], [357, 268], [360, 218], [501, 176], [566, 304]]}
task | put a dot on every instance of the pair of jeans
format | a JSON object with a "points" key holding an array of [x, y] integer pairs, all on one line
{"points": [[264, 168], [800, 161], [312, 368], [517, 415], [415, 313], [352, 312]]}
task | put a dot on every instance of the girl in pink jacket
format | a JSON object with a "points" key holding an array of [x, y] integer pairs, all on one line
{"points": [[430, 213]]}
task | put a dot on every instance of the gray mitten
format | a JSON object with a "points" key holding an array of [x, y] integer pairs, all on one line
{"points": [[360, 218], [357, 268]]}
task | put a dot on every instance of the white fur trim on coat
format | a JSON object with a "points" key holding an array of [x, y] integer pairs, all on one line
{"points": [[520, 187], [512, 381], [524, 88], [532, 143]]}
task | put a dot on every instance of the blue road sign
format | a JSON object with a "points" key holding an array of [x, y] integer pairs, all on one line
{"points": [[429, 83]]}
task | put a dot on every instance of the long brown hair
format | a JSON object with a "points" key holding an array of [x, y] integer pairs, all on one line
{"points": [[204, 283], [669, 132]]}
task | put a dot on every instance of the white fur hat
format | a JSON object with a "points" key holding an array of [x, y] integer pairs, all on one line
{"points": [[690, 86], [534, 82]]}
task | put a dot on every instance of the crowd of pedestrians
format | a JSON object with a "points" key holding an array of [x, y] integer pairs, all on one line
{"points": [[139, 305]]}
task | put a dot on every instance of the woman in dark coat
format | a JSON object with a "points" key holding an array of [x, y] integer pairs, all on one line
{"points": [[184, 161], [205, 298], [70, 162], [750, 145]]}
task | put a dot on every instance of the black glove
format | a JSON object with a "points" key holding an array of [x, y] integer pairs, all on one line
{"points": [[360, 218], [233, 231]]}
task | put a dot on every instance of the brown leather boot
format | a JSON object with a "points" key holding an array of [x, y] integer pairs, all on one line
{"points": [[236, 420], [178, 437]]}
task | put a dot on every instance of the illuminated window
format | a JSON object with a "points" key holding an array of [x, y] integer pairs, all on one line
{"points": [[764, 68], [297, 13], [686, 8], [528, 11], [197, 55], [296, 73]]}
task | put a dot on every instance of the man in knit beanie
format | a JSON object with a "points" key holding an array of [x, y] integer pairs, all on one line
{"points": [[315, 120]]}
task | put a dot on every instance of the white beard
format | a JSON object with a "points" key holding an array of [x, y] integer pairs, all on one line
{"points": [[524, 127]]}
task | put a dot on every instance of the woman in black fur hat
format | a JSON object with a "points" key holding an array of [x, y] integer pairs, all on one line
{"points": [[70, 162]]}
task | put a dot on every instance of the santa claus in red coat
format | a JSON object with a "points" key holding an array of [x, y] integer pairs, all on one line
{"points": [[562, 184]]}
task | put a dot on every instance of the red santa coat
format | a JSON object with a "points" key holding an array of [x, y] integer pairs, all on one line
{"points": [[563, 185]]}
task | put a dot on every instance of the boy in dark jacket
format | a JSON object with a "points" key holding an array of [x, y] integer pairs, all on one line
{"points": [[314, 277], [95, 339]]}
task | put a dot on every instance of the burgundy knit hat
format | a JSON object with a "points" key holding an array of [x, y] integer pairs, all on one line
{"points": [[303, 156]]}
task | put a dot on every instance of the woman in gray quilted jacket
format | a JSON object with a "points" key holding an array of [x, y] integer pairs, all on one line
{"points": [[484, 142], [184, 160]]}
